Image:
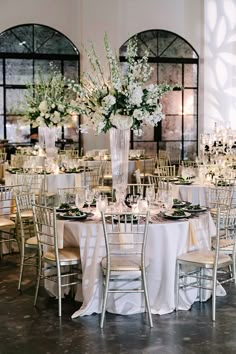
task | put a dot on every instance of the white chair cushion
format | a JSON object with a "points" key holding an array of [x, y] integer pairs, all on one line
{"points": [[32, 241], [24, 214], [203, 257], [6, 222], [225, 245], [65, 254], [123, 263]]}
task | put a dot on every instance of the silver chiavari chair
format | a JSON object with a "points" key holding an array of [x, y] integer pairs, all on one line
{"points": [[125, 239]]}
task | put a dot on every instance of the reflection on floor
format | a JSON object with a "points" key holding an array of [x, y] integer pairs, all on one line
{"points": [[25, 329]]}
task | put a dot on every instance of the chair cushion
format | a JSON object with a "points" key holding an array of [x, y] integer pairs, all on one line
{"points": [[32, 241], [203, 257], [123, 263], [6, 222], [225, 244], [24, 214], [65, 254], [107, 176]]}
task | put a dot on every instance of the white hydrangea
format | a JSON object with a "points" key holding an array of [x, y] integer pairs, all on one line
{"points": [[138, 114], [43, 106], [136, 96], [121, 122], [108, 101]]}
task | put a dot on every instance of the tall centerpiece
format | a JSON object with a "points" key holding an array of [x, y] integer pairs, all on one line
{"points": [[119, 102], [47, 107]]}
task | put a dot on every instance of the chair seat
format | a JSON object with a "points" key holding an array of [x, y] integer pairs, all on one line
{"points": [[24, 214], [4, 222], [203, 258], [105, 189], [123, 264], [225, 245], [107, 176], [32, 241], [65, 254]]}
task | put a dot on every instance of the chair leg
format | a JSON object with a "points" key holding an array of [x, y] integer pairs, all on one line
{"points": [[38, 279], [104, 299], [177, 286], [147, 297], [59, 291], [22, 258], [214, 285]]}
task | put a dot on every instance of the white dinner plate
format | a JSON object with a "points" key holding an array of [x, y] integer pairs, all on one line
{"points": [[171, 216], [195, 210], [73, 217]]}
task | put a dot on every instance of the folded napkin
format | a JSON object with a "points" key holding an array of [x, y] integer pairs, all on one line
{"points": [[192, 239], [60, 233]]}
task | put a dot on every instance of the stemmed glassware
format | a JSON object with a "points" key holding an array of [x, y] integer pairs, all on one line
{"points": [[150, 195], [102, 203], [79, 199], [89, 196]]}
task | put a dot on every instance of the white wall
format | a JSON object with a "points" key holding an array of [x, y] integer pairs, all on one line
{"points": [[220, 64], [87, 20]]}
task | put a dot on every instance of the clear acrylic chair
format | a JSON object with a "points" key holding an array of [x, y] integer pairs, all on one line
{"points": [[64, 261], [125, 240], [27, 238], [208, 268]]}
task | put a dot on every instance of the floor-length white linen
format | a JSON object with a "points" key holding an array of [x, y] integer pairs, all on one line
{"points": [[166, 240], [194, 193]]}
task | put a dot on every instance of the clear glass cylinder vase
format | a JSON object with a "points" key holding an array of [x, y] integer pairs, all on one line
{"points": [[47, 139], [119, 145]]}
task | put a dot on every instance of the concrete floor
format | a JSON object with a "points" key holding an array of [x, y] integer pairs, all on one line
{"points": [[25, 329]]}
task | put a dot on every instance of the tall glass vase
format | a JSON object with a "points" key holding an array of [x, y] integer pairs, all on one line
{"points": [[47, 139], [119, 144]]}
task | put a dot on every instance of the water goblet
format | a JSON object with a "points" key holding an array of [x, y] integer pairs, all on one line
{"points": [[79, 200], [102, 203], [89, 198]]}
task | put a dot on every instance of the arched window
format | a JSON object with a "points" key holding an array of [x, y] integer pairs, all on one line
{"points": [[174, 61], [24, 51]]}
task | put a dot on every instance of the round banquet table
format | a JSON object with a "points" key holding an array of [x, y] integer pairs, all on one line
{"points": [[166, 240], [194, 193]]}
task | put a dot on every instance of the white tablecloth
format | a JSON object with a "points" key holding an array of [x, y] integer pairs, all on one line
{"points": [[166, 241], [194, 193], [54, 181]]}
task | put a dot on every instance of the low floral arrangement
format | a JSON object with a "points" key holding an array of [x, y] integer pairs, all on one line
{"points": [[48, 101], [121, 100]]}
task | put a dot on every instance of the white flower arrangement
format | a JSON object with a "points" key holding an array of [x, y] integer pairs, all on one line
{"points": [[48, 101], [121, 101]]}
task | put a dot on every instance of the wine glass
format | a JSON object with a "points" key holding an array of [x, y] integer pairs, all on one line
{"points": [[150, 195], [142, 205], [89, 197], [168, 201], [79, 200], [102, 203]]}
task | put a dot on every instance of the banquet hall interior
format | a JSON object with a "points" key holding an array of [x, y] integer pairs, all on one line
{"points": [[117, 176]]}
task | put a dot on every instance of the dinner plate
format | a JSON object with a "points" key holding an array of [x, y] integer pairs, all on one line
{"points": [[62, 210], [179, 204], [195, 210], [170, 215], [184, 183], [73, 217]]}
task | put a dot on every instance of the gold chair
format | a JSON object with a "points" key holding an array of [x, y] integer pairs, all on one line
{"points": [[206, 267], [65, 261], [27, 238]]}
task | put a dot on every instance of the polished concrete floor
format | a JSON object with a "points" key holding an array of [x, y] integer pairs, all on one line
{"points": [[25, 329]]}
